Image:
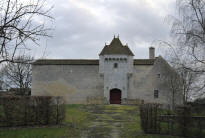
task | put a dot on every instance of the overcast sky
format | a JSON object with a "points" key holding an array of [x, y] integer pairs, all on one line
{"points": [[82, 27]]}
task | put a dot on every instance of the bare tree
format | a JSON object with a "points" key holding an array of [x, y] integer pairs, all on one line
{"points": [[189, 31], [175, 88], [188, 83], [21, 22], [188, 79], [17, 75], [186, 52], [173, 84]]}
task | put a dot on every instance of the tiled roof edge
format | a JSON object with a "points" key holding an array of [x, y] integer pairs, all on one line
{"points": [[85, 62]]}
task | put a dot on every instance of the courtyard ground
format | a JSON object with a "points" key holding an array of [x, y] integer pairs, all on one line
{"points": [[89, 121]]}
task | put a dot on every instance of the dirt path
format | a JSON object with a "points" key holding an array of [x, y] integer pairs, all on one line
{"points": [[111, 121]]}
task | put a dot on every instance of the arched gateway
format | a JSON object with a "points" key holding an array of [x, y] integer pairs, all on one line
{"points": [[115, 96]]}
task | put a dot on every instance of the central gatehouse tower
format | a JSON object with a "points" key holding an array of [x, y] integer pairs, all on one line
{"points": [[116, 66]]}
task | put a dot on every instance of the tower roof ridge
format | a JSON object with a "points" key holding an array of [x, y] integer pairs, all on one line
{"points": [[117, 48]]}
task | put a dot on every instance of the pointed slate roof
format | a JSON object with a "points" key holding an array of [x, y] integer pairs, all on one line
{"points": [[116, 48]]}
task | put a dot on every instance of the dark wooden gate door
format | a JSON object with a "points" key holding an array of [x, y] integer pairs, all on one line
{"points": [[115, 96]]}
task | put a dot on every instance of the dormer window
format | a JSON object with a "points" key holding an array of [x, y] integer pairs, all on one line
{"points": [[115, 65]]}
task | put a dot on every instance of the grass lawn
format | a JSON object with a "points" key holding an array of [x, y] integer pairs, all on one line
{"points": [[89, 121]]}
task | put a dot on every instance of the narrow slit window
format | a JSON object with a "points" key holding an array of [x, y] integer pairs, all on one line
{"points": [[115, 65], [156, 94]]}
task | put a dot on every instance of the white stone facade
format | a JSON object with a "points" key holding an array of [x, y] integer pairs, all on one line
{"points": [[116, 77], [79, 80]]}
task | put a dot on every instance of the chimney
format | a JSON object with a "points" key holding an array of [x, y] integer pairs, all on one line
{"points": [[151, 53]]}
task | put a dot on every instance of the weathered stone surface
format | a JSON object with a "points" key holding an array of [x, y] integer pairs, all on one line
{"points": [[81, 83], [74, 83], [90, 81]]}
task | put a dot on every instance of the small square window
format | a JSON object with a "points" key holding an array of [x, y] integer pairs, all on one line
{"points": [[158, 76], [156, 94]]}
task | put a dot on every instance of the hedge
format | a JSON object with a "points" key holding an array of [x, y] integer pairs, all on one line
{"points": [[31, 110]]}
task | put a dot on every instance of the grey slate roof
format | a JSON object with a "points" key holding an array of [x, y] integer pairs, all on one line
{"points": [[66, 62], [85, 62], [144, 61], [116, 48]]}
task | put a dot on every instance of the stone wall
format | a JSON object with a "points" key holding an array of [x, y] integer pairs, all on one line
{"points": [[115, 77], [97, 100], [168, 79], [83, 84], [131, 101], [74, 82], [147, 78]]}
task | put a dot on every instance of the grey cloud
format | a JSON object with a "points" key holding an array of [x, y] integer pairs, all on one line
{"points": [[79, 34]]}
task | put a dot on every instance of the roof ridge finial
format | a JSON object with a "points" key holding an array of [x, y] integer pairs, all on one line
{"points": [[114, 35]]}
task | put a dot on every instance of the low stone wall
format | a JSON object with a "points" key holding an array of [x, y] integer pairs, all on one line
{"points": [[97, 100], [132, 101], [103, 100]]}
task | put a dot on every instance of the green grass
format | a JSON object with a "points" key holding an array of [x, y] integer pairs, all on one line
{"points": [[75, 115], [78, 117], [36, 133], [133, 129]]}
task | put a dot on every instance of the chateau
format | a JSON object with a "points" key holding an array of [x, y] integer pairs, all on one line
{"points": [[115, 78]]}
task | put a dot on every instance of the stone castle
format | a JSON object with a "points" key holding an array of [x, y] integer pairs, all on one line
{"points": [[115, 78]]}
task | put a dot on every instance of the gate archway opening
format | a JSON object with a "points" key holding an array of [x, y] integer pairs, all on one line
{"points": [[115, 96]]}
